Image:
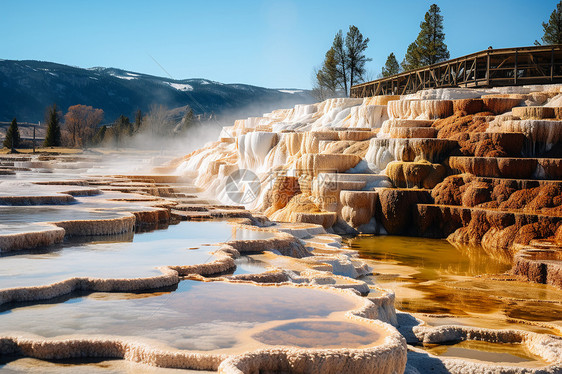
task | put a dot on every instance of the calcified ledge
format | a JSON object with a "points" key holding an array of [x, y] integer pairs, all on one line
{"points": [[388, 357], [50, 233], [282, 243], [547, 347]]}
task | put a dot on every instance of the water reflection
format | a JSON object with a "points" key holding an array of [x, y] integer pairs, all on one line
{"points": [[319, 334], [433, 277], [138, 257], [489, 352], [197, 316]]}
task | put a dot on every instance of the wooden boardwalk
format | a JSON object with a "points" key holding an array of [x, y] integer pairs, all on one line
{"points": [[488, 68]]}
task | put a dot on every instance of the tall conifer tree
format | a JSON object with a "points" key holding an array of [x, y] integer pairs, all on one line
{"points": [[12, 139], [356, 46], [553, 28], [53, 136], [429, 48], [391, 66]]}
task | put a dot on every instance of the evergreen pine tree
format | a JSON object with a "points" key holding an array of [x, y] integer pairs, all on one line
{"points": [[12, 139], [327, 78], [553, 29], [355, 48], [391, 66], [429, 48], [342, 62], [412, 58], [53, 136]]}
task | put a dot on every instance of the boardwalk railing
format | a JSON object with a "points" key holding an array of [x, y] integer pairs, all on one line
{"points": [[489, 68]]}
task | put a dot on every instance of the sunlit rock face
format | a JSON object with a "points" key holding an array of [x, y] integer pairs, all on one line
{"points": [[325, 163]]}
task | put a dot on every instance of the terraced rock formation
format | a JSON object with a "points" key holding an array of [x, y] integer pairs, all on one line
{"points": [[474, 166]]}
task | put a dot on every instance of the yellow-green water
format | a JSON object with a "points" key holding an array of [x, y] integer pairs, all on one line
{"points": [[447, 285]]}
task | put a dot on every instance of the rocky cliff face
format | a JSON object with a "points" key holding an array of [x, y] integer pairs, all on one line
{"points": [[479, 167]]}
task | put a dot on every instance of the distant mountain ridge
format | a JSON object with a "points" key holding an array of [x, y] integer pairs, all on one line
{"points": [[27, 87]]}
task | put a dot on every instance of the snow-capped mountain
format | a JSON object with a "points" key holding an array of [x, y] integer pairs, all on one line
{"points": [[27, 88]]}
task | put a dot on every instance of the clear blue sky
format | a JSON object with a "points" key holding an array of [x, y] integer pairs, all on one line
{"points": [[266, 43]]}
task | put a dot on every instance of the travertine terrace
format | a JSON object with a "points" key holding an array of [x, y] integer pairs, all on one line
{"points": [[479, 167], [259, 279], [117, 244]]}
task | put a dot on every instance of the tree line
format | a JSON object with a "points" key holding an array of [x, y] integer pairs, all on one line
{"points": [[80, 127], [344, 62]]}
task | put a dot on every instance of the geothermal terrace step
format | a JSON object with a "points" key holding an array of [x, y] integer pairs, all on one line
{"points": [[413, 132], [213, 214], [370, 180], [508, 167], [442, 220], [412, 149], [537, 112], [156, 178], [510, 142], [397, 123], [520, 184], [325, 219]]}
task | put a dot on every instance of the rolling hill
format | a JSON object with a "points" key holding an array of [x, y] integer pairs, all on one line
{"points": [[28, 87]]}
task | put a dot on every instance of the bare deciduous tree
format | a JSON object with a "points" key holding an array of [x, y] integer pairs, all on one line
{"points": [[81, 122]]}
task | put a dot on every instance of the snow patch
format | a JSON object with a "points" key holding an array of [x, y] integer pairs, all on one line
{"points": [[122, 77], [180, 86], [290, 91]]}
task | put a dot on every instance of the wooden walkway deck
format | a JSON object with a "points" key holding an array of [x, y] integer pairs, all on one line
{"points": [[488, 68]]}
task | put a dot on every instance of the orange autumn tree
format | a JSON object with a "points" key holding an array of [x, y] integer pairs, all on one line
{"points": [[80, 122]]}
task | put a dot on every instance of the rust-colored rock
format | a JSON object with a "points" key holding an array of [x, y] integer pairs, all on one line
{"points": [[499, 105], [421, 174], [413, 132], [460, 123], [517, 168], [449, 192], [490, 144], [468, 106], [395, 208], [476, 193]]}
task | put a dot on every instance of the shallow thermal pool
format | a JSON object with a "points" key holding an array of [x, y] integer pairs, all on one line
{"points": [[16, 365], [467, 286], [319, 334], [200, 316], [50, 213], [488, 352], [186, 243]]}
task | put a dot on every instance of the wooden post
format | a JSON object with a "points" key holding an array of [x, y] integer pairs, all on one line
{"points": [[552, 64], [475, 71], [488, 68], [515, 70], [34, 136]]}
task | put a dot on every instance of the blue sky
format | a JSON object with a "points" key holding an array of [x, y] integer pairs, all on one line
{"points": [[273, 43]]}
